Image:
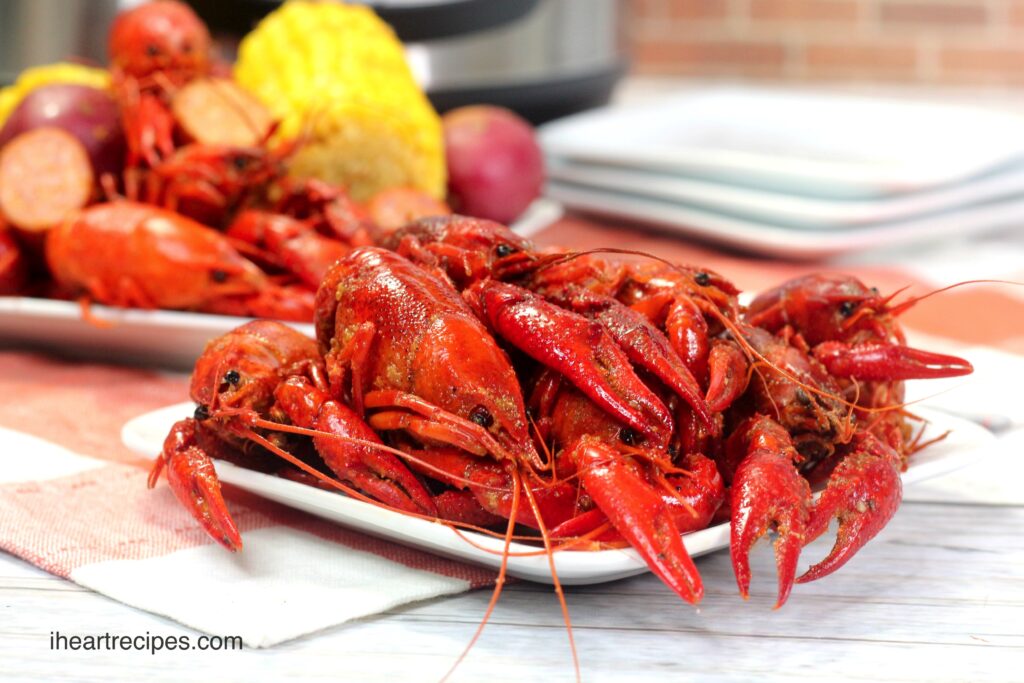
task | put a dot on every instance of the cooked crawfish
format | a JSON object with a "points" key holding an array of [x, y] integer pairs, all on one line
{"points": [[154, 49], [129, 254], [636, 402]]}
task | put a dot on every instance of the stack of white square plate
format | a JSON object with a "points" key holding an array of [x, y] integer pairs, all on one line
{"points": [[794, 174]]}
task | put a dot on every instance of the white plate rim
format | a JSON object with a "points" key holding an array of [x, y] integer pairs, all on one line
{"points": [[787, 243], [588, 137], [786, 210], [966, 443]]}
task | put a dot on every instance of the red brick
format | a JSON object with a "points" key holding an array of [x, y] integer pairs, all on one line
{"points": [[1017, 12], [862, 59], [998, 63], [931, 14], [804, 10], [647, 8], [713, 57], [698, 9]]}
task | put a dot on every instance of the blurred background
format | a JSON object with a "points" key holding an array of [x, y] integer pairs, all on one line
{"points": [[973, 42], [756, 133], [584, 44]]}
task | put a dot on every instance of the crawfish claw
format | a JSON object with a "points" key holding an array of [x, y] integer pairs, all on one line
{"points": [[767, 491], [192, 478], [863, 493], [888, 362], [638, 512]]}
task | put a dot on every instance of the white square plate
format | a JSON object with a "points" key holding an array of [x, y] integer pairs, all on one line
{"points": [[145, 435], [792, 211], [804, 143], [783, 242]]}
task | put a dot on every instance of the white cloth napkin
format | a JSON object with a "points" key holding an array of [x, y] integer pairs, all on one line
{"points": [[98, 525]]}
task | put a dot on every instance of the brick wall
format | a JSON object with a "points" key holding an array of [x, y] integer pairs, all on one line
{"points": [[928, 41]]}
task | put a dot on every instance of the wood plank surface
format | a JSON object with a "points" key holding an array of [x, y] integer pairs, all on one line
{"points": [[938, 596]]}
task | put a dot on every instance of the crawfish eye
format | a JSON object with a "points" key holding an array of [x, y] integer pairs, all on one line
{"points": [[202, 413], [481, 416], [186, 47], [702, 279], [219, 276], [629, 436], [232, 377], [503, 250], [847, 308], [152, 50], [240, 163]]}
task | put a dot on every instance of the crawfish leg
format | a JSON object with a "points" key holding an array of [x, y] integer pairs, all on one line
{"points": [[863, 492], [638, 511], [643, 343], [351, 361], [193, 480], [580, 349], [411, 413], [462, 506], [728, 372], [492, 486], [767, 491], [687, 331], [375, 472]]}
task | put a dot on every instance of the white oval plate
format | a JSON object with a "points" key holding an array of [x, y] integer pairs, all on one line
{"points": [[145, 435]]}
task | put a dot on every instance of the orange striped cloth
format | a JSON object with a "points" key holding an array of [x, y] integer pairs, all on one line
{"points": [[73, 500]]}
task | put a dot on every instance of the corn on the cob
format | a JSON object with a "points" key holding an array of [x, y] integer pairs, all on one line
{"points": [[336, 76], [61, 72]]}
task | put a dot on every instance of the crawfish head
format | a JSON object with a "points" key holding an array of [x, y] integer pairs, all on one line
{"points": [[825, 307], [853, 329], [468, 249], [413, 343], [241, 369], [165, 37], [230, 169]]}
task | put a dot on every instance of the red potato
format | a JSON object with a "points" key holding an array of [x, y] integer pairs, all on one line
{"points": [[216, 111], [89, 114], [45, 175], [495, 166]]}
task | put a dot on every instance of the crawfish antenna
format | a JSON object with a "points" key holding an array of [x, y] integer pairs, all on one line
{"points": [[499, 582]]}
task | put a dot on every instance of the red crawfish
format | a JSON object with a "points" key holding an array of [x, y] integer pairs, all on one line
{"points": [[129, 254], [154, 49], [259, 378]]}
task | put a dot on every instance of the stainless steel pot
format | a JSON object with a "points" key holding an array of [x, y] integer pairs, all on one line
{"points": [[562, 56], [36, 32]]}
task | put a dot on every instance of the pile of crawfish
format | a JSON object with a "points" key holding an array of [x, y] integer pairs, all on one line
{"points": [[460, 374], [191, 220]]}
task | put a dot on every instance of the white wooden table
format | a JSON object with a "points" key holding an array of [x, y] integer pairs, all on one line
{"points": [[938, 596]]}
